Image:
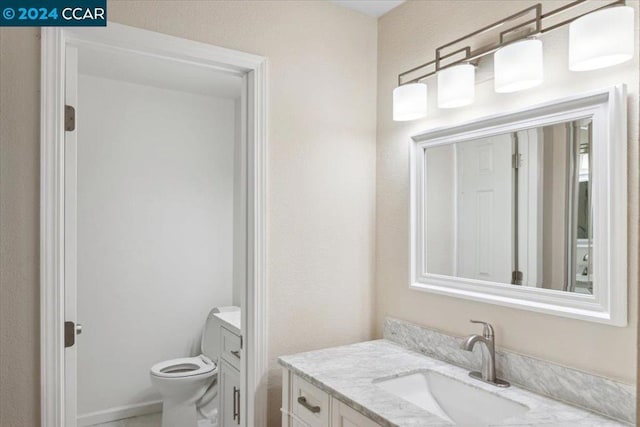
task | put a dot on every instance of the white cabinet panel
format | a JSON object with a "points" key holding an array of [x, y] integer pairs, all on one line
{"points": [[229, 390], [345, 416]]}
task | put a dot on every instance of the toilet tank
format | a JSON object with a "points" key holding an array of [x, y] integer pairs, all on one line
{"points": [[210, 344]]}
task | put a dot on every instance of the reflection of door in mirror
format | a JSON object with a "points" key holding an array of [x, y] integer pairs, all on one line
{"points": [[468, 209], [485, 247], [512, 208]]}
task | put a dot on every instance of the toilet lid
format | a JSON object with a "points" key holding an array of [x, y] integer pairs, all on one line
{"points": [[183, 367]]}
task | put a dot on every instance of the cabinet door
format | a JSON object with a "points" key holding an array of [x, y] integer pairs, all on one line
{"points": [[229, 390], [344, 416]]}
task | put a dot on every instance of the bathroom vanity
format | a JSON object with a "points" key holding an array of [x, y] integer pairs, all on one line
{"points": [[379, 383], [417, 376], [229, 368], [306, 404]]}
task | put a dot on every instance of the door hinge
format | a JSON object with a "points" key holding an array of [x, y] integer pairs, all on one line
{"points": [[69, 118], [69, 334], [516, 277], [70, 331], [241, 342], [516, 160]]}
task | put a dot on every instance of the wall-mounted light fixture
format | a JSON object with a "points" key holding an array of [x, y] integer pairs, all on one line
{"points": [[456, 86], [409, 102], [601, 39], [598, 38], [518, 66]]}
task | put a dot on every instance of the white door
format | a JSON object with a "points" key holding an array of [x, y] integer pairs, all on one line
{"points": [[529, 201], [70, 243], [229, 382], [485, 215]]}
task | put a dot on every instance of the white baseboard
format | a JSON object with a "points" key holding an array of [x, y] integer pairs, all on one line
{"points": [[119, 413]]}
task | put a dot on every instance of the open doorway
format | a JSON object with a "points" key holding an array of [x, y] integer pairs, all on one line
{"points": [[153, 190]]}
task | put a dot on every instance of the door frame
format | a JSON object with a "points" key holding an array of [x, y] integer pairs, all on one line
{"points": [[52, 215]]}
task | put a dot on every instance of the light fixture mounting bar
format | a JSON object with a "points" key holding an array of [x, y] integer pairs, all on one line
{"points": [[536, 24]]}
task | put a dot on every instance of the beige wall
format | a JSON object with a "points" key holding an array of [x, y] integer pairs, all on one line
{"points": [[321, 175], [19, 225], [441, 201], [408, 36]]}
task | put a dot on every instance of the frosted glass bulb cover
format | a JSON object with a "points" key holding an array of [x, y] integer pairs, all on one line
{"points": [[409, 102], [601, 39], [456, 86], [518, 66]]}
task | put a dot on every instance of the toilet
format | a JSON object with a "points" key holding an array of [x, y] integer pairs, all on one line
{"points": [[188, 385]]}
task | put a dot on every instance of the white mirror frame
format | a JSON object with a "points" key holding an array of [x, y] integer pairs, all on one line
{"points": [[608, 304]]}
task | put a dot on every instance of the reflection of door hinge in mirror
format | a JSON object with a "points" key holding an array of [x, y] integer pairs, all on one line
{"points": [[69, 118], [516, 277], [516, 160]]}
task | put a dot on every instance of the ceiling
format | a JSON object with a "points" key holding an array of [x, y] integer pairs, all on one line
{"points": [[158, 72], [375, 8]]}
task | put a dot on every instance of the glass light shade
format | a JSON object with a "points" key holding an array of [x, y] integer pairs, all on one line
{"points": [[518, 66], [456, 86], [601, 39], [409, 102]]}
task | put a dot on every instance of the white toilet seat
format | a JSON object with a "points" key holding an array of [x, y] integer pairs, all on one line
{"points": [[183, 367], [189, 386]]}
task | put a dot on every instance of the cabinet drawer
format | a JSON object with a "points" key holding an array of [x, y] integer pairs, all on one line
{"points": [[230, 347], [309, 403]]}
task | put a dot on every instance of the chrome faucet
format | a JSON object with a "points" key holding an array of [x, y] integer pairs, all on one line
{"points": [[488, 349]]}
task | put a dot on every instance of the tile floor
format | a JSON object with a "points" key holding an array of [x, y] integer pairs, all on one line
{"points": [[152, 420]]}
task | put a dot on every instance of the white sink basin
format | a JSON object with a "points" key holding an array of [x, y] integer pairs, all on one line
{"points": [[451, 399]]}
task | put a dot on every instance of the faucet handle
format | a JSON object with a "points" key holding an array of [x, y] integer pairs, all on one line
{"points": [[488, 329]]}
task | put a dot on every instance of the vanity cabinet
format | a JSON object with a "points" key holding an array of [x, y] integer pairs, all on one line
{"points": [[305, 405], [343, 415], [229, 378], [229, 395], [230, 347]]}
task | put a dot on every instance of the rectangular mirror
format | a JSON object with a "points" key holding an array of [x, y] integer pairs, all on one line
{"points": [[513, 208], [518, 209]]}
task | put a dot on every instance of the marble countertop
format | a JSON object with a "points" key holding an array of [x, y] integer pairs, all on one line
{"points": [[348, 372], [231, 319]]}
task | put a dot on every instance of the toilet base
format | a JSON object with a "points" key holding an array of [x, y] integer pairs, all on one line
{"points": [[179, 414]]}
